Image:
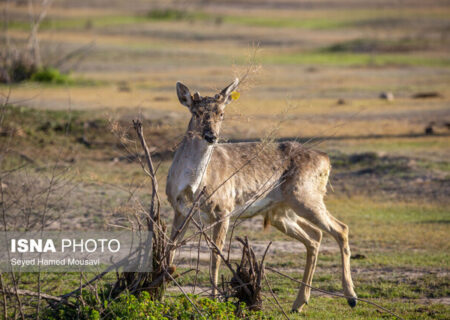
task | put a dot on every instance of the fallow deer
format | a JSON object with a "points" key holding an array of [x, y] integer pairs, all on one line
{"points": [[289, 179]]}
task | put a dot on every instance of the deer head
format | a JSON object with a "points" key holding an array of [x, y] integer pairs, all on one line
{"points": [[207, 112]]}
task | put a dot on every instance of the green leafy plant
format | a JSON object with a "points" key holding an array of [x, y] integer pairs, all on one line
{"points": [[50, 75], [133, 307]]}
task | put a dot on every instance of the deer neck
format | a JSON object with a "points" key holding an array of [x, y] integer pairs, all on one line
{"points": [[192, 160]]}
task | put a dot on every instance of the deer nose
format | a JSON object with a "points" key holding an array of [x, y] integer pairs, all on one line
{"points": [[209, 137]]}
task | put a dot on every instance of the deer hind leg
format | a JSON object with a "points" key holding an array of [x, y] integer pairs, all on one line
{"points": [[310, 236], [314, 210], [219, 237], [315, 234]]}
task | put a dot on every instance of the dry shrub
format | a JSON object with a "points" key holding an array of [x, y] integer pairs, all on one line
{"points": [[16, 66], [251, 273]]}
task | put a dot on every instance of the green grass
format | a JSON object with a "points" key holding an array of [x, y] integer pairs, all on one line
{"points": [[283, 22], [178, 15], [332, 20], [405, 259], [334, 309], [43, 133], [376, 256], [396, 296], [363, 45], [34, 119], [427, 148], [392, 213], [353, 59], [325, 21], [393, 225], [399, 295], [247, 20], [435, 165], [59, 24]]}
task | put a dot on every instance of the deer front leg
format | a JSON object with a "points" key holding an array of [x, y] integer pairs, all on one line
{"points": [[176, 232], [219, 236]]}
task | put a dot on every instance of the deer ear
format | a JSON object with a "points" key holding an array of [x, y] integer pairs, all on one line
{"points": [[226, 92], [184, 95], [197, 96], [230, 88]]}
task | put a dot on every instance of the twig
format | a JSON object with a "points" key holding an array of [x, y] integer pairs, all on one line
{"points": [[2, 194], [275, 297], [184, 224], [237, 213], [33, 40], [219, 252], [155, 197], [81, 290], [34, 294], [189, 216], [98, 277], [184, 293], [197, 267], [5, 306], [82, 51]]}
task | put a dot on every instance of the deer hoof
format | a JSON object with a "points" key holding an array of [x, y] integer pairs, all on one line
{"points": [[351, 302]]}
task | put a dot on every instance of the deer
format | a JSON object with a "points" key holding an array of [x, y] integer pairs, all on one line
{"points": [[289, 179]]}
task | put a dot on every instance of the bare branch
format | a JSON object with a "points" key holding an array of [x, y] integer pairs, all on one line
{"points": [[275, 297], [33, 40], [34, 294], [185, 294]]}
